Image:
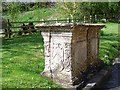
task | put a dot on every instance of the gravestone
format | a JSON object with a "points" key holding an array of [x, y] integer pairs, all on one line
{"points": [[69, 49]]}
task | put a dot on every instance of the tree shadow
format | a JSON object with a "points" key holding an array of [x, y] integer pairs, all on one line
{"points": [[32, 39], [111, 37]]}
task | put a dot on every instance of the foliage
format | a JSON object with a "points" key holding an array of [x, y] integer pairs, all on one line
{"points": [[37, 14], [106, 10], [101, 33], [25, 6], [13, 9], [70, 8]]}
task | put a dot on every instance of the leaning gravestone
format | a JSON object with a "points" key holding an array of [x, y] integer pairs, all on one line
{"points": [[69, 49]]}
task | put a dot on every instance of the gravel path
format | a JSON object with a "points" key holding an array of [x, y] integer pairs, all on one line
{"points": [[114, 82]]}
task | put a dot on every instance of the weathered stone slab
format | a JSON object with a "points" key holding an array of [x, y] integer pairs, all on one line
{"points": [[69, 49]]}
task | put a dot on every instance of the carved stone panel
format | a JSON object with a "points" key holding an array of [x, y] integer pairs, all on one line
{"points": [[69, 53]]}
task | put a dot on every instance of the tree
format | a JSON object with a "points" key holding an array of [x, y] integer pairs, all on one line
{"points": [[71, 9], [11, 8], [80, 9]]}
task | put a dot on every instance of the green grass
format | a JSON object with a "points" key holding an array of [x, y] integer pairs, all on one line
{"points": [[109, 43], [23, 60], [22, 63], [109, 48], [23, 57], [37, 14], [111, 28]]}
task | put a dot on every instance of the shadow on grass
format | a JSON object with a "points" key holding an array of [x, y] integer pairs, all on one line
{"points": [[22, 45], [109, 47], [114, 80], [31, 39], [111, 37]]}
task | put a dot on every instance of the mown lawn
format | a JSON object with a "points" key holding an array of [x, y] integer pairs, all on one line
{"points": [[23, 58], [109, 43], [22, 63]]}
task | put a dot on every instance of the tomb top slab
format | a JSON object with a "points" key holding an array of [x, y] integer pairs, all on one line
{"points": [[67, 25]]}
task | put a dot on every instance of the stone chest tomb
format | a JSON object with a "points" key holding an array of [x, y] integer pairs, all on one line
{"points": [[69, 49]]}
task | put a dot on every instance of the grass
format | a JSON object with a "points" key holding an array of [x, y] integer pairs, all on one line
{"points": [[37, 14], [109, 49], [23, 57], [110, 29], [22, 63], [23, 60], [109, 43]]}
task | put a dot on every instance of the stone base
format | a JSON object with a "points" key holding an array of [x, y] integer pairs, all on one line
{"points": [[60, 80]]}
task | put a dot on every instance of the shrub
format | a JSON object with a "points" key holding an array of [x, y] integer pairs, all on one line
{"points": [[102, 33]]}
